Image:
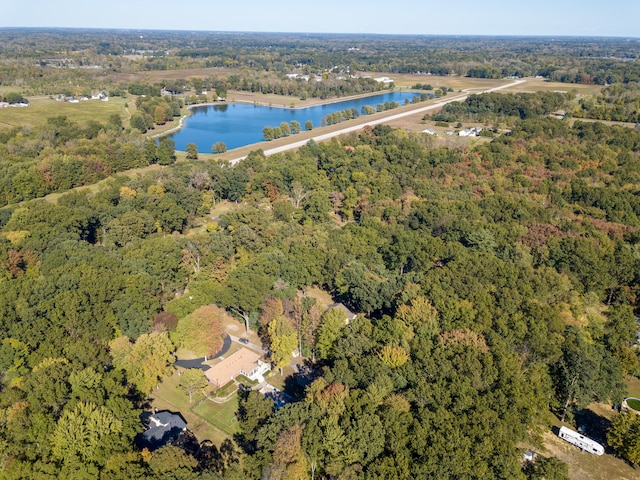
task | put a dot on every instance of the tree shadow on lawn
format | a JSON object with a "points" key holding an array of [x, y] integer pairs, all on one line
{"points": [[593, 425], [293, 388]]}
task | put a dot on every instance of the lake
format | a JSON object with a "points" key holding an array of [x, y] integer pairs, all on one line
{"points": [[240, 124]]}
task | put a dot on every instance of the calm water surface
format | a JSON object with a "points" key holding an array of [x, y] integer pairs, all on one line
{"points": [[239, 124]]}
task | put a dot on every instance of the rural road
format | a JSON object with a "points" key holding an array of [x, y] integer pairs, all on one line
{"points": [[354, 128]]}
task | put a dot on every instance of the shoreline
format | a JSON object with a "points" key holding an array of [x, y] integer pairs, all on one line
{"points": [[310, 104]]}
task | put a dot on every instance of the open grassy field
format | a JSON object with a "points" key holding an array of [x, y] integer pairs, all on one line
{"points": [[540, 85], [633, 387], [222, 415], [157, 76], [472, 84], [407, 80], [45, 107]]}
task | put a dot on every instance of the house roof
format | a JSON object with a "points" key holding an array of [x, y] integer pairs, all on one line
{"points": [[243, 360], [162, 428], [350, 315]]}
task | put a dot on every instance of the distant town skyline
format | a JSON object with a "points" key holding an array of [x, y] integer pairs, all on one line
{"points": [[425, 17]]}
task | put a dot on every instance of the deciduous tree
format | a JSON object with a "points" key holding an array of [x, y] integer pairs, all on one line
{"points": [[193, 381], [202, 331]]}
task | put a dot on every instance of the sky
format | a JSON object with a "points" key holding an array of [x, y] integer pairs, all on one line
{"points": [[619, 18]]}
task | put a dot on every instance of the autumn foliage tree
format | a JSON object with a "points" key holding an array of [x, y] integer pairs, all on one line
{"points": [[146, 361], [202, 331]]}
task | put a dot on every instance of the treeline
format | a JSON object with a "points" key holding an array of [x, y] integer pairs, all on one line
{"points": [[489, 107], [329, 87], [285, 129], [153, 111], [63, 154], [617, 102], [31, 57], [341, 116], [351, 113]]}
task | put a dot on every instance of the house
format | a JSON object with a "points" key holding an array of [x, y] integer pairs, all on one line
{"points": [[385, 80], [449, 132], [470, 132], [429, 131], [243, 362], [163, 428], [350, 315]]}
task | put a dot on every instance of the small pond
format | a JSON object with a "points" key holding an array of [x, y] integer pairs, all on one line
{"points": [[238, 124]]}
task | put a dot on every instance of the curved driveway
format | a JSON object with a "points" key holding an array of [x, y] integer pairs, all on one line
{"points": [[199, 362]]}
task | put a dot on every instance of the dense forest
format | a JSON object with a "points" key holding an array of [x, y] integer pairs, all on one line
{"points": [[495, 281], [616, 102], [497, 284]]}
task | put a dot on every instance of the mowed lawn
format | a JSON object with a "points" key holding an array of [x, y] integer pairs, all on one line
{"points": [[222, 415], [82, 112], [206, 419]]}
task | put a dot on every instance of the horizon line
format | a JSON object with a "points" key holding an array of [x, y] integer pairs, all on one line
{"points": [[181, 30]]}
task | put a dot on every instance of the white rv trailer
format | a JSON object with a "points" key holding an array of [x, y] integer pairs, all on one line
{"points": [[580, 441]]}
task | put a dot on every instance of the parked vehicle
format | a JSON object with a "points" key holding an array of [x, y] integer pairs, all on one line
{"points": [[580, 441]]}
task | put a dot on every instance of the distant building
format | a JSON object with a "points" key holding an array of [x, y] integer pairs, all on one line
{"points": [[429, 131], [163, 428]]}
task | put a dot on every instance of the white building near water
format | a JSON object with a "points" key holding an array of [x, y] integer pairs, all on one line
{"points": [[580, 441]]}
